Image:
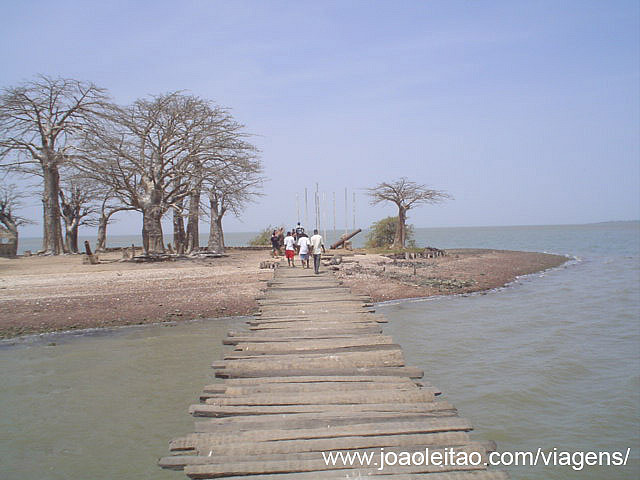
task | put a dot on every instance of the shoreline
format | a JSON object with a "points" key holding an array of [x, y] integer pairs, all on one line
{"points": [[40, 295], [462, 271]]}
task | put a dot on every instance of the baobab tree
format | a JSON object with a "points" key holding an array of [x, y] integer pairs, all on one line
{"points": [[10, 201], [109, 205], [155, 153], [224, 152], [39, 121], [405, 194], [77, 207], [230, 191], [141, 153]]}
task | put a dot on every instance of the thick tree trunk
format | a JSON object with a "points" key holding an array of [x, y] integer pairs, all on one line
{"points": [[152, 241], [178, 230], [68, 238], [14, 250], [73, 239], [193, 230], [101, 242], [103, 221], [216, 236], [399, 238], [52, 236], [13, 229]]}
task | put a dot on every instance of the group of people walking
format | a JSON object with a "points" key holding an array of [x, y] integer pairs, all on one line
{"points": [[297, 241]]}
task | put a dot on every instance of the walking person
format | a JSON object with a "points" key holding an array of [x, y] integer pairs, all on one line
{"points": [[275, 244], [303, 244], [317, 248], [290, 249]]}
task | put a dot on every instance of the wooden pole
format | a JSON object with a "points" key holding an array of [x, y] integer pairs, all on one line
{"points": [[317, 209], [334, 212], [346, 215], [324, 216], [306, 208], [354, 210]]}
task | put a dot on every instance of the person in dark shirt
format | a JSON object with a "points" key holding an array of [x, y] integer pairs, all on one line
{"points": [[275, 243]]}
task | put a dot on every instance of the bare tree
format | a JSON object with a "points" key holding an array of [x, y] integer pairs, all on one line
{"points": [[142, 153], [405, 194], [78, 208], [38, 120], [231, 190], [223, 152], [109, 206], [10, 200], [157, 152]]}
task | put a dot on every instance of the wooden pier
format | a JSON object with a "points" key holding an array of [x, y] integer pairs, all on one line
{"points": [[314, 373]]}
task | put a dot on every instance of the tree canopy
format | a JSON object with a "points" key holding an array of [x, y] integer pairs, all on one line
{"points": [[405, 194]]}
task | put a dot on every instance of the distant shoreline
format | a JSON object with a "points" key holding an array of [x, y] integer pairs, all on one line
{"points": [[49, 294]]}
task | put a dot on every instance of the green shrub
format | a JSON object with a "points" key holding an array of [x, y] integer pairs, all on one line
{"points": [[263, 238], [382, 232]]}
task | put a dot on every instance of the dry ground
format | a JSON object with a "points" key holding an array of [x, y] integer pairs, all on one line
{"points": [[40, 294], [460, 271]]}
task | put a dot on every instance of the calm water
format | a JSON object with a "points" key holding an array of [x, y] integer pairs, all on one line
{"points": [[552, 361]]}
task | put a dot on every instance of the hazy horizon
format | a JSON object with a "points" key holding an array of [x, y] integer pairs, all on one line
{"points": [[204, 232], [528, 113]]}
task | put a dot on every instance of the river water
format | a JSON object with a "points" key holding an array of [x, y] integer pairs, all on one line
{"points": [[552, 361]]}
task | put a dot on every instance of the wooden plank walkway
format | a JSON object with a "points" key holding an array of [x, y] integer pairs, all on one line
{"points": [[313, 372]]}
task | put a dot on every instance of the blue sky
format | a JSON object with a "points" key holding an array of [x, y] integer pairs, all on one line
{"points": [[527, 112]]}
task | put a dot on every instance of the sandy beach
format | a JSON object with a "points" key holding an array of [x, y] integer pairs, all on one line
{"points": [[43, 294]]}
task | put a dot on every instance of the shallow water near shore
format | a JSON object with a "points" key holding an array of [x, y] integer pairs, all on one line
{"points": [[103, 404], [549, 362]]}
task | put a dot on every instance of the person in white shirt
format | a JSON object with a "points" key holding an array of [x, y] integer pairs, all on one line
{"points": [[290, 249], [317, 247], [303, 243]]}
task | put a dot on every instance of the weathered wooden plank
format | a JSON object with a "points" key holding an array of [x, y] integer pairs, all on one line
{"points": [[290, 396], [343, 319], [327, 398], [314, 344], [317, 332], [439, 439], [313, 420], [203, 441], [292, 387], [316, 379], [321, 327], [377, 358], [305, 370], [233, 338], [311, 465], [324, 351], [363, 453], [205, 410], [354, 328], [313, 296]]}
